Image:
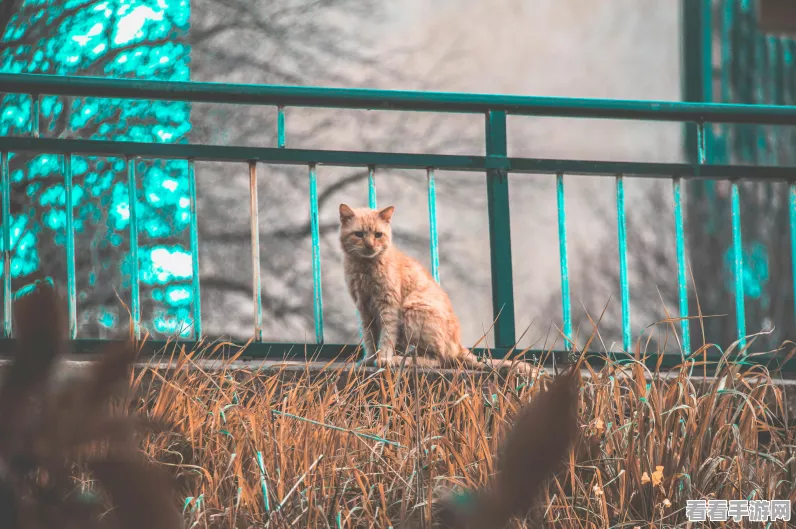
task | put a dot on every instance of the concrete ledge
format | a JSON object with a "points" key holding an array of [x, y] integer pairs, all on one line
{"points": [[74, 368]]}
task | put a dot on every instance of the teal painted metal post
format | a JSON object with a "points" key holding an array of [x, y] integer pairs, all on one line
{"points": [[779, 92], [71, 289], [35, 115], [738, 62], [726, 58], [6, 186], [759, 43], [255, 240], [372, 187], [727, 22], [787, 95], [280, 127], [791, 58], [196, 291], [697, 54], [740, 311], [679, 232], [497, 187], [698, 61], [788, 86], [623, 279], [566, 304], [792, 208], [682, 281], [432, 224], [135, 291], [316, 257], [774, 66], [706, 64]]}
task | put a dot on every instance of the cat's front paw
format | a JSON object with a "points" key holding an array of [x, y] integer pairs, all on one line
{"points": [[383, 362], [384, 357]]}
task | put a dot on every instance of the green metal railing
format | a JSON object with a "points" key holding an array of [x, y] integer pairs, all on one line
{"points": [[496, 164], [734, 53]]}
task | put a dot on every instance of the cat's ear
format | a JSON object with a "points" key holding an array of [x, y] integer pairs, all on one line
{"points": [[386, 213], [346, 213]]}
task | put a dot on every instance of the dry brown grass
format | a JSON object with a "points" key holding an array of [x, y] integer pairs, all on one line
{"points": [[351, 449], [348, 448]]}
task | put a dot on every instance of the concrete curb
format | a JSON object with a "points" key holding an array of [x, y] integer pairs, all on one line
{"points": [[72, 367]]}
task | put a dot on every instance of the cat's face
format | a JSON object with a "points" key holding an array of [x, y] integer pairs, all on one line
{"points": [[365, 233]]}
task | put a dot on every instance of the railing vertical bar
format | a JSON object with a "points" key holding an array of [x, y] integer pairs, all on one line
{"points": [[792, 208], [727, 91], [6, 186], [787, 97], [280, 127], [682, 281], [432, 223], [497, 191], [706, 63], [316, 256], [566, 306], [792, 55], [372, 187], [195, 287], [135, 301], [775, 70], [70, 248], [255, 235], [742, 69], [740, 311], [372, 205], [787, 92], [727, 51], [760, 77], [35, 115], [783, 69], [623, 279]]}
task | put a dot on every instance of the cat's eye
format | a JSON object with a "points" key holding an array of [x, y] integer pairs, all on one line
{"points": [[378, 235], [359, 234]]}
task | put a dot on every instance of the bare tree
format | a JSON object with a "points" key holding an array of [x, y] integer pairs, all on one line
{"points": [[326, 42]]}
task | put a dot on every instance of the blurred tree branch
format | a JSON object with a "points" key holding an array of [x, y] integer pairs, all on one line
{"points": [[323, 42], [7, 10]]}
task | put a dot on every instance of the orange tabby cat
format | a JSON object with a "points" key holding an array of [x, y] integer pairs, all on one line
{"points": [[398, 300]]}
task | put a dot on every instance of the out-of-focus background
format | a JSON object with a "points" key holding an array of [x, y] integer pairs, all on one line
{"points": [[624, 49]]}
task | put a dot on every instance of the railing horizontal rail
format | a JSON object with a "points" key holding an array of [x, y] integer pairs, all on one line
{"points": [[360, 98], [440, 162], [496, 165]]}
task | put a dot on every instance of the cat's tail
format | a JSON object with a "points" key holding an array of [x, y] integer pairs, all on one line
{"points": [[534, 450], [467, 359]]}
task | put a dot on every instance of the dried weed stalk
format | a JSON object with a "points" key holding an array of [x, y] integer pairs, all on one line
{"points": [[50, 434]]}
